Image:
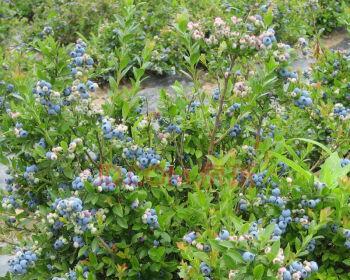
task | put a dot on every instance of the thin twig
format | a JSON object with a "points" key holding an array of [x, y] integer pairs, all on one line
{"points": [[100, 147]]}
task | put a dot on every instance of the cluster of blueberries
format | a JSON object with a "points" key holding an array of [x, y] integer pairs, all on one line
{"points": [[111, 132], [9, 184], [311, 246], [72, 275], [57, 226], [270, 133], [51, 155], [47, 30], [47, 97], [346, 234], [275, 197], [77, 183], [303, 98], [32, 202], [302, 219], [243, 205], [68, 206], [281, 223], [341, 112], [9, 91], [84, 219], [193, 106], [59, 243], [285, 73], [176, 180], [84, 89], [233, 108], [312, 203], [29, 173], [269, 38], [190, 237], [78, 241], [144, 157], [9, 202], [79, 58], [205, 270], [253, 230], [282, 168], [216, 94], [10, 88], [130, 180], [300, 270], [22, 261], [250, 153], [173, 128], [104, 183], [258, 179], [20, 131], [150, 217], [235, 131]]}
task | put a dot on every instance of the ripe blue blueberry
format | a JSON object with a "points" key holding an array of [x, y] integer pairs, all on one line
{"points": [[248, 257], [224, 234]]}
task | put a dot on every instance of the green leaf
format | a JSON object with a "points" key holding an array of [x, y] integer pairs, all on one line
{"points": [[234, 256], [68, 172], [258, 272], [89, 187], [125, 110], [297, 244], [274, 250], [201, 255], [268, 17], [121, 221], [94, 245], [293, 165], [182, 21], [112, 84], [194, 58], [198, 153], [93, 259], [82, 250], [64, 145], [331, 170], [194, 172], [222, 47], [315, 143], [157, 254], [118, 210]]}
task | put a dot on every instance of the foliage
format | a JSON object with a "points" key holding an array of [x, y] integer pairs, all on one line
{"points": [[246, 180], [100, 22]]}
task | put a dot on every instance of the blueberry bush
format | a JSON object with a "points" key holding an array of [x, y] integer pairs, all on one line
{"points": [[244, 178], [107, 25]]}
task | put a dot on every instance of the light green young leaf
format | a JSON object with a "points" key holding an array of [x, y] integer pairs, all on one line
{"points": [[258, 271]]}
